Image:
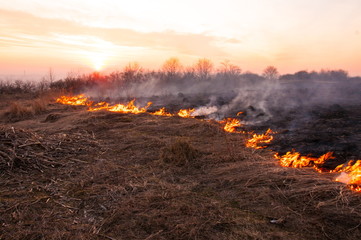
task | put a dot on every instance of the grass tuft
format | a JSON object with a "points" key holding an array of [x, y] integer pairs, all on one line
{"points": [[179, 153], [19, 111]]}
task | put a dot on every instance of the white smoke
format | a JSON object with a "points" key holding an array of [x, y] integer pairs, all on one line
{"points": [[204, 111], [343, 177]]}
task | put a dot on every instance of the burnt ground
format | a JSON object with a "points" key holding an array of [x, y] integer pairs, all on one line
{"points": [[71, 174], [315, 130]]}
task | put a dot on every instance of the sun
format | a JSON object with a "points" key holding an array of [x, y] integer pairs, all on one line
{"points": [[98, 61], [98, 64]]}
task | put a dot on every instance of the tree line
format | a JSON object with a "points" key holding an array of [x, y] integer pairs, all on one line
{"points": [[172, 72]]}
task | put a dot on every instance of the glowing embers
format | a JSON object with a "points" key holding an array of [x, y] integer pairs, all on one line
{"points": [[75, 100], [294, 159], [162, 112], [121, 108], [231, 124], [186, 113], [351, 175], [260, 141]]}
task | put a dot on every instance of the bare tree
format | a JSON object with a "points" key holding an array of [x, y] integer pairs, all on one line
{"points": [[229, 70], [172, 67], [270, 73], [132, 72], [203, 68]]}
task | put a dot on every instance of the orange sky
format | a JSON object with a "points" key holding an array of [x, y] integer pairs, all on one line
{"points": [[81, 36]]}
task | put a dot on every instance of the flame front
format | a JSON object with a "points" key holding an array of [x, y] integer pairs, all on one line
{"points": [[231, 124], [186, 113], [99, 106], [120, 108], [258, 139], [75, 100], [294, 159], [350, 174], [162, 112], [353, 175]]}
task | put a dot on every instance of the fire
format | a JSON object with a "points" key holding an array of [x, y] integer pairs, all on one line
{"points": [[121, 108], [186, 113], [75, 100], [162, 112], [351, 175], [99, 106], [231, 124], [294, 159], [258, 139]]}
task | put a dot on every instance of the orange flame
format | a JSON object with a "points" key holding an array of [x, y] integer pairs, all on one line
{"points": [[231, 124], [99, 106], [294, 159], [350, 174], [162, 112], [75, 100], [186, 113], [121, 108], [258, 139], [353, 175]]}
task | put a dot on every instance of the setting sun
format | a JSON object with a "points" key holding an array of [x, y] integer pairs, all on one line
{"points": [[98, 61]]}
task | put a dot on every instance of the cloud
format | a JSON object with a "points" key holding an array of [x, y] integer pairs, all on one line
{"points": [[25, 30]]}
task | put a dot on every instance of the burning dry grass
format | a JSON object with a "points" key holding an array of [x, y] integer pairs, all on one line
{"points": [[120, 179]]}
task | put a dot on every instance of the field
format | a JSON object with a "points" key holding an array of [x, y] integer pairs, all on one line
{"points": [[67, 173]]}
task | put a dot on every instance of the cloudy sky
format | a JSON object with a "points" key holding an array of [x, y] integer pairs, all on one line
{"points": [[85, 35]]}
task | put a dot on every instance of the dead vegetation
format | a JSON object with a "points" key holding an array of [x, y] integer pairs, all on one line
{"points": [[25, 150], [22, 110], [103, 175], [179, 153]]}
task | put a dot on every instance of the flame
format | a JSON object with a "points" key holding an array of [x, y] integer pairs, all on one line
{"points": [[162, 112], [260, 139], [239, 113], [75, 100], [186, 113], [121, 108], [351, 175], [294, 159], [99, 106], [231, 124]]}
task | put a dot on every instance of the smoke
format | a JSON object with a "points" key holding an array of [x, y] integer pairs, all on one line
{"points": [[343, 177], [316, 112], [204, 111], [223, 95]]}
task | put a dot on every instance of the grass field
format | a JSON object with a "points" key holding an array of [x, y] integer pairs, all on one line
{"points": [[67, 173]]}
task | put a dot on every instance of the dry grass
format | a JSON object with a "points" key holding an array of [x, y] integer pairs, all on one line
{"points": [[133, 177], [38, 106], [24, 110], [179, 153], [18, 111]]}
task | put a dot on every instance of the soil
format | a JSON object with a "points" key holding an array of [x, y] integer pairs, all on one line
{"points": [[74, 174]]}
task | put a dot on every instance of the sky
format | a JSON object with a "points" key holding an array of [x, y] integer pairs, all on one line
{"points": [[80, 36]]}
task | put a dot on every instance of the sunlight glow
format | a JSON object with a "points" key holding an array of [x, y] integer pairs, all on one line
{"points": [[291, 35]]}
